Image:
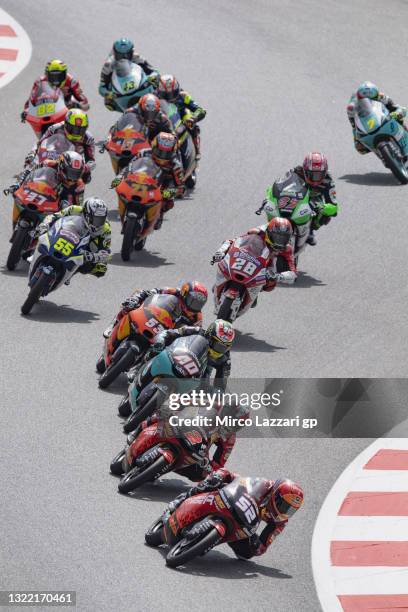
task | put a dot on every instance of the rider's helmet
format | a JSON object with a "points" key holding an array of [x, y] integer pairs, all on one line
{"points": [[367, 90], [75, 124], [123, 49], [220, 336], [278, 233], [168, 88], [95, 213], [163, 148], [56, 72], [315, 168], [282, 501], [70, 167], [193, 297], [149, 107]]}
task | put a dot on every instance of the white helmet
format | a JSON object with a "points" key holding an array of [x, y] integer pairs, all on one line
{"points": [[95, 213]]}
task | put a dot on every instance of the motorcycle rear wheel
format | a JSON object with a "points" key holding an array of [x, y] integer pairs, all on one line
{"points": [[113, 370], [185, 550], [225, 310], [138, 476], [35, 294]]}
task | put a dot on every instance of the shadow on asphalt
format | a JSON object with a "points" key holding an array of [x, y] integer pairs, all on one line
{"points": [[305, 281], [118, 387], [380, 179], [219, 565], [49, 312], [20, 271], [140, 258], [248, 342]]}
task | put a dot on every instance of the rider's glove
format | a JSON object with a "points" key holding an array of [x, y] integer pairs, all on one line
{"points": [[12, 188], [399, 113], [169, 194], [89, 257], [84, 106], [189, 122], [271, 275], [153, 79], [29, 158], [116, 181], [23, 116], [130, 303], [101, 257], [199, 114], [41, 229], [218, 256]]}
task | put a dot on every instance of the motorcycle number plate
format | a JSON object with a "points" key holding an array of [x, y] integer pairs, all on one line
{"points": [[45, 109]]}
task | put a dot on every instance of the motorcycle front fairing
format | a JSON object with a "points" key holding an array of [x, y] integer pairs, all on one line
{"points": [[59, 251]]}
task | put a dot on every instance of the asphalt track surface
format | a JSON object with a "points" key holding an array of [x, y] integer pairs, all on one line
{"points": [[275, 78]]}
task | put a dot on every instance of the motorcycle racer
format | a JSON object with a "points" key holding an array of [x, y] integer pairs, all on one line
{"points": [[220, 335], [278, 501], [94, 214], [221, 439], [123, 48], [371, 91], [150, 114], [65, 179], [169, 89], [75, 129], [57, 75], [276, 235], [315, 174], [192, 297]]}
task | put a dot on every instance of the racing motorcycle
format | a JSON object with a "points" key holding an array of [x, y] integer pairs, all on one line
{"points": [[33, 201], [379, 132], [186, 143], [48, 108], [241, 275], [126, 138], [290, 198], [133, 335], [179, 368], [129, 84], [58, 255], [206, 520], [140, 204], [157, 450]]}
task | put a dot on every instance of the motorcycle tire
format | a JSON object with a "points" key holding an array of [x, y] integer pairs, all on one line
{"points": [[191, 181], [116, 465], [17, 246], [100, 365], [35, 293], [124, 408], [225, 310], [113, 370], [145, 411], [154, 535], [128, 238], [185, 550], [140, 475], [397, 168]]}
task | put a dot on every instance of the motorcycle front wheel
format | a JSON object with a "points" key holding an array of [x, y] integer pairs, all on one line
{"points": [[14, 256], [35, 293], [114, 369], [185, 550], [140, 475], [396, 166], [151, 406]]}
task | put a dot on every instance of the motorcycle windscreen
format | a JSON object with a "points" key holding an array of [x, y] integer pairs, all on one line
{"points": [[189, 354], [369, 115], [145, 165], [68, 233], [43, 175], [290, 186], [252, 244], [169, 303], [54, 146], [171, 110], [127, 77]]}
